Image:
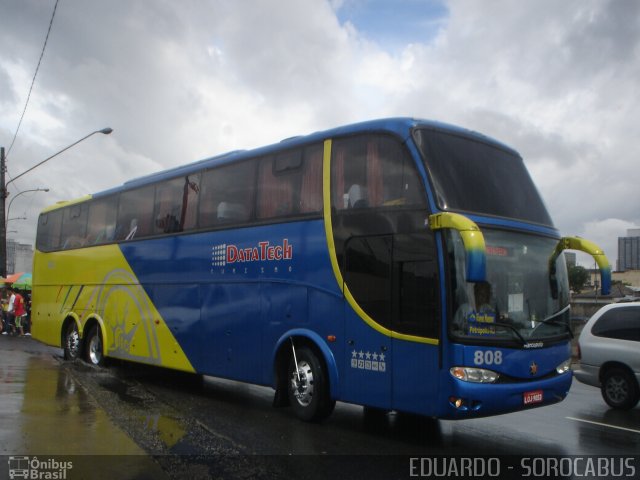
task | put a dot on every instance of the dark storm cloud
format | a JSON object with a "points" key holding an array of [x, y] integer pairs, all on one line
{"points": [[558, 81]]}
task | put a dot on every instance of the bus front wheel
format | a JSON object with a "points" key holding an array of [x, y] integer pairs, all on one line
{"points": [[308, 386], [71, 341], [93, 354]]}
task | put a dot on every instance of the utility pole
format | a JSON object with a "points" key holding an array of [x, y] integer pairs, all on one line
{"points": [[3, 219]]}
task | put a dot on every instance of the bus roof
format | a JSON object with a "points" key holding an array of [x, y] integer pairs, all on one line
{"points": [[400, 126]]}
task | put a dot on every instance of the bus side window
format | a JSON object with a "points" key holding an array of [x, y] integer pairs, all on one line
{"points": [[311, 188], [176, 204], [74, 226], [290, 183], [374, 171], [102, 220], [278, 185], [49, 229], [168, 206], [190, 197], [226, 195], [135, 211]]}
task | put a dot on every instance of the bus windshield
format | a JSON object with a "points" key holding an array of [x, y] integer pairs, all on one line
{"points": [[521, 302], [473, 176]]}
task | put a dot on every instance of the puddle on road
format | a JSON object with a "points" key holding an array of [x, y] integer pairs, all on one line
{"points": [[45, 411], [125, 392], [45, 415], [167, 429]]}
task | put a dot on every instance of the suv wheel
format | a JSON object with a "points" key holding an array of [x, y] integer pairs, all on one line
{"points": [[619, 389]]}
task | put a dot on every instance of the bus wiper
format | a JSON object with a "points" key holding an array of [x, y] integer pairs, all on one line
{"points": [[553, 320], [507, 325], [513, 329]]}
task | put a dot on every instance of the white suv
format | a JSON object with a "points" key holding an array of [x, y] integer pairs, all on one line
{"points": [[609, 353]]}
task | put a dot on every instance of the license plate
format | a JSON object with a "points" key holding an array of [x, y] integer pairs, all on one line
{"points": [[530, 398]]}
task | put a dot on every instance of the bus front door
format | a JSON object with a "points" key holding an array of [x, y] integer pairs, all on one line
{"points": [[368, 374], [416, 325], [392, 321]]}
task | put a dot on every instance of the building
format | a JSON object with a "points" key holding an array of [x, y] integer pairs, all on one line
{"points": [[571, 259], [630, 278], [629, 251], [19, 257]]}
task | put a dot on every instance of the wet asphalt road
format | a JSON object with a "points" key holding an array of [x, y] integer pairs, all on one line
{"points": [[129, 421]]}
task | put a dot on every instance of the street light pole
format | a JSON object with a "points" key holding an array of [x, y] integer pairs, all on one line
{"points": [[105, 131], [3, 218], [20, 193], [4, 193]]}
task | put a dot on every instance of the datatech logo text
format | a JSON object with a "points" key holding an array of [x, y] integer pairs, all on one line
{"points": [[225, 254]]}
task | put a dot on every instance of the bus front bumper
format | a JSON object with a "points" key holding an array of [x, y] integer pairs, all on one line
{"points": [[471, 400]]}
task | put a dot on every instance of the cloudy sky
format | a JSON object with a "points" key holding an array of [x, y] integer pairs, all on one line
{"points": [[179, 81]]}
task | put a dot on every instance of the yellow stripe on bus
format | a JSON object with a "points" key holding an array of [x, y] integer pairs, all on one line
{"points": [[328, 225], [98, 284]]}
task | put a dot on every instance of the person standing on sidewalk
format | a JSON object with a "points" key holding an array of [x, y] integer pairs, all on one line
{"points": [[20, 311], [4, 304], [10, 326]]}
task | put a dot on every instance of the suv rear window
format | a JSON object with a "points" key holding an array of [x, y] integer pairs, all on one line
{"points": [[619, 323]]}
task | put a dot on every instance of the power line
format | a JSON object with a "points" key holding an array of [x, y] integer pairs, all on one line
{"points": [[34, 80]]}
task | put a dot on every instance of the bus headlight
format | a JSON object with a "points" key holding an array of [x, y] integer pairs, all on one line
{"points": [[475, 375], [564, 366]]}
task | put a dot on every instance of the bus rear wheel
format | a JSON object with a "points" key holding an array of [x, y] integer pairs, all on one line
{"points": [[93, 353], [71, 341], [308, 386]]}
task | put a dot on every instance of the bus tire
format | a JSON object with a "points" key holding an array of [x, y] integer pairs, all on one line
{"points": [[308, 386], [71, 341], [94, 353]]}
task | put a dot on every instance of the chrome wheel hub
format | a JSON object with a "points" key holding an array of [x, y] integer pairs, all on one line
{"points": [[73, 343], [302, 383], [95, 349]]}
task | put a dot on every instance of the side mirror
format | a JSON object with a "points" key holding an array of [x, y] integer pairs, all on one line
{"points": [[586, 246], [472, 239]]}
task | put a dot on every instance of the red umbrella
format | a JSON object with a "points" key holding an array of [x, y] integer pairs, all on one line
{"points": [[11, 278]]}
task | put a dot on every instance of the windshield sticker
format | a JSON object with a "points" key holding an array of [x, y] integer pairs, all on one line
{"points": [[480, 323]]}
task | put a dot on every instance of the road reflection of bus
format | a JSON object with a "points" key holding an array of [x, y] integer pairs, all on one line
{"points": [[59, 417]]}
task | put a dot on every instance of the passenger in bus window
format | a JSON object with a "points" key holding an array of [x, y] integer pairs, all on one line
{"points": [[71, 242], [356, 197], [168, 223], [109, 233]]}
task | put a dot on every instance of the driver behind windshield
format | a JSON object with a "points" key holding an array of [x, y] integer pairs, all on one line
{"points": [[475, 317]]}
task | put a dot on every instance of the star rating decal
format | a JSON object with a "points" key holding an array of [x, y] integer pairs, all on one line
{"points": [[371, 361]]}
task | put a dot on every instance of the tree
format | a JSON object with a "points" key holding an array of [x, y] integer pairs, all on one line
{"points": [[578, 276]]}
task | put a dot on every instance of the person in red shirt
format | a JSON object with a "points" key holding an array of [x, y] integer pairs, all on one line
{"points": [[20, 311]]}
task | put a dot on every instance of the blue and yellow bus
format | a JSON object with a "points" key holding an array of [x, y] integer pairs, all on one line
{"points": [[399, 264]]}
